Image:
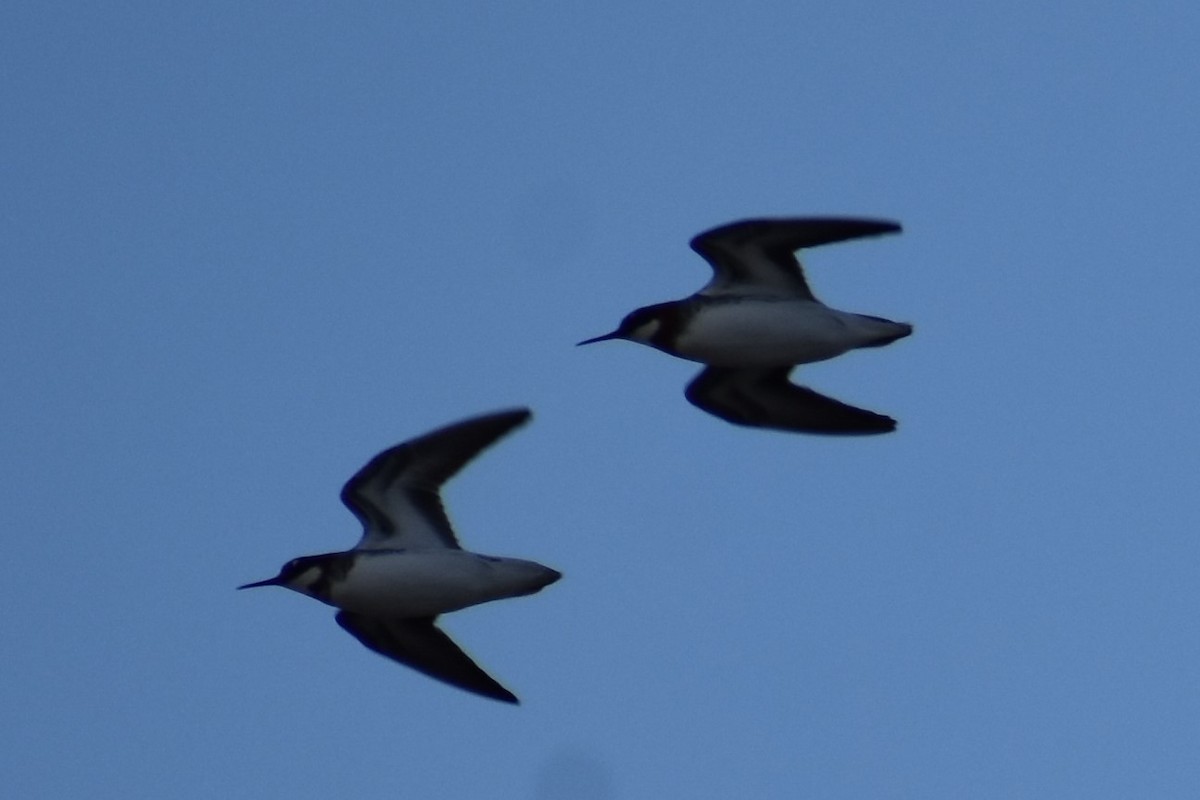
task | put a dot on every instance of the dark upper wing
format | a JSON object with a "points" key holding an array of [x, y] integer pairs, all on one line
{"points": [[761, 253], [420, 644], [765, 398], [395, 495]]}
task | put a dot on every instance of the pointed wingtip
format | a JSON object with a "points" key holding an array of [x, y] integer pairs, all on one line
{"points": [[493, 692], [885, 425], [520, 415]]}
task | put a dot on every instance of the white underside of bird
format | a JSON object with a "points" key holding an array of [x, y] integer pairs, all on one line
{"points": [[768, 331]]}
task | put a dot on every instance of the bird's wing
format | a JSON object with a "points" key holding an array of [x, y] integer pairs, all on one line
{"points": [[395, 495], [765, 398], [760, 254], [420, 644]]}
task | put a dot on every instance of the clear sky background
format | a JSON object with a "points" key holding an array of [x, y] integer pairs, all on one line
{"points": [[245, 246]]}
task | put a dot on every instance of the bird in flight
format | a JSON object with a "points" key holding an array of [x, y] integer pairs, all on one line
{"points": [[757, 319], [408, 567]]}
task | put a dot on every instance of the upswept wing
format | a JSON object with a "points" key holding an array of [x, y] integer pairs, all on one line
{"points": [[395, 495], [761, 253], [765, 398], [420, 644]]}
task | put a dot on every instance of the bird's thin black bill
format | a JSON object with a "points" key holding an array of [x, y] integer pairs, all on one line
{"points": [[267, 582], [604, 338]]}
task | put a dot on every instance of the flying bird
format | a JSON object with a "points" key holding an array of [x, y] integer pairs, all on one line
{"points": [[757, 318], [408, 566]]}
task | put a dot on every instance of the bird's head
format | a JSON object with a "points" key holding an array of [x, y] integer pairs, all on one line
{"points": [[642, 325], [299, 574]]}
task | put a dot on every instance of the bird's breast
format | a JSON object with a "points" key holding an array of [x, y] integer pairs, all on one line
{"points": [[427, 583], [766, 332]]}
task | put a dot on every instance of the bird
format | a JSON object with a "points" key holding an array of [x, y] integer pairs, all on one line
{"points": [[757, 318], [408, 566]]}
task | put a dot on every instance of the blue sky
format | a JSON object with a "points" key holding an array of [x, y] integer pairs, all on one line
{"points": [[246, 246]]}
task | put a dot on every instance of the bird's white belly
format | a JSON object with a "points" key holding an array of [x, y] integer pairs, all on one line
{"points": [[770, 333], [427, 583]]}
